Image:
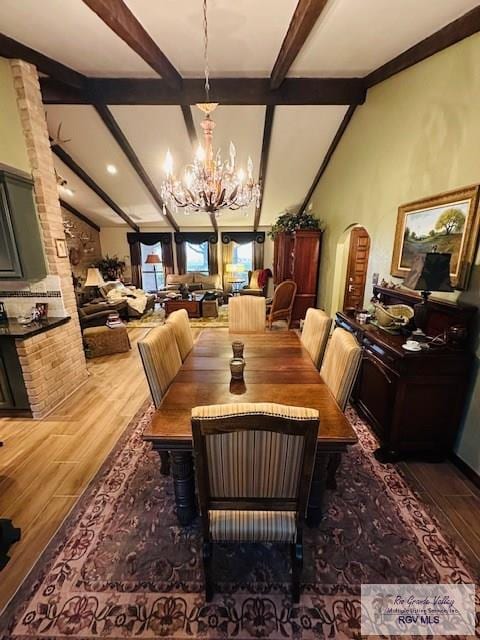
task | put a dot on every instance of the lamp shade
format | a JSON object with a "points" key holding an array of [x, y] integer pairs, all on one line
{"points": [[234, 268], [153, 258], [430, 272], [94, 278]]}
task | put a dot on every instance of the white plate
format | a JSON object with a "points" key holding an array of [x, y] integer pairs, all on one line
{"points": [[407, 348]]}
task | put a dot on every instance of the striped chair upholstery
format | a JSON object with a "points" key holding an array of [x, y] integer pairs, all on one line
{"points": [[315, 334], [340, 365], [246, 314], [254, 464], [161, 360], [183, 333]]}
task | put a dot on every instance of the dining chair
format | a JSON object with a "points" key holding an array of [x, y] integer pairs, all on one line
{"points": [[254, 464], [316, 330], [246, 314], [282, 303], [183, 333], [161, 360], [340, 365]]}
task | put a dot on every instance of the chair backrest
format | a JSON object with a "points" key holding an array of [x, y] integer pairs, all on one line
{"points": [[253, 280], [340, 365], [183, 333], [254, 456], [315, 334], [284, 297], [246, 314], [161, 360]]}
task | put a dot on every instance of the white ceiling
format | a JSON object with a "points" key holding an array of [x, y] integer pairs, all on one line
{"points": [[351, 38]]}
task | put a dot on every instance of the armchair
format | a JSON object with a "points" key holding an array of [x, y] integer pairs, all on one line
{"points": [[253, 288]]}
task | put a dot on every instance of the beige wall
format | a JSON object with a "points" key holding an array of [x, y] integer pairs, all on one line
{"points": [[12, 147], [418, 134]]}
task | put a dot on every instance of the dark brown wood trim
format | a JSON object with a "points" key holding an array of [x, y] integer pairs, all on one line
{"points": [[188, 117], [125, 25], [83, 175], [461, 28], [262, 170], [467, 471], [328, 156], [10, 48], [78, 214], [239, 91], [114, 128], [303, 20]]}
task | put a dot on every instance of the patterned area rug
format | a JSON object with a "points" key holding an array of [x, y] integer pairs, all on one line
{"points": [[157, 317], [121, 567]]}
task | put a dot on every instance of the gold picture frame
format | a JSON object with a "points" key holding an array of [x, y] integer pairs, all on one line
{"points": [[448, 222], [61, 248]]}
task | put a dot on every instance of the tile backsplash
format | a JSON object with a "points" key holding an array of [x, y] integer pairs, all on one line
{"points": [[20, 297]]}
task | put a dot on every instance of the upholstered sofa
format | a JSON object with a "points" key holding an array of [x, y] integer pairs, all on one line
{"points": [[194, 281], [129, 295]]}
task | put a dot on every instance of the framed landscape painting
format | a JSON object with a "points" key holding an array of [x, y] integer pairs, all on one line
{"points": [[447, 223]]}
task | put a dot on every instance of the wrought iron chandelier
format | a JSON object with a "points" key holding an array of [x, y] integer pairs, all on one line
{"points": [[209, 184]]}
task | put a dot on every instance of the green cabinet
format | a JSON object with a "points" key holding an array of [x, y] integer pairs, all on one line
{"points": [[21, 249]]}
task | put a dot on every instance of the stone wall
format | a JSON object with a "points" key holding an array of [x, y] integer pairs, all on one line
{"points": [[53, 362], [89, 253]]}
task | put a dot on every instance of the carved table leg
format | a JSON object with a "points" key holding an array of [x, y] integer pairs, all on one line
{"points": [[184, 486], [319, 483], [333, 464]]}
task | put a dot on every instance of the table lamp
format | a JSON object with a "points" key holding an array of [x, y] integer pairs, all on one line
{"points": [[234, 268], [94, 279], [154, 259], [429, 272]]}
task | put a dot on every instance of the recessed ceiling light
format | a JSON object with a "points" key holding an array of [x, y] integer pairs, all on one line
{"points": [[112, 169]]}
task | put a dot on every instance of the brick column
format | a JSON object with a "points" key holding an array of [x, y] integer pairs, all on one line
{"points": [[53, 362]]}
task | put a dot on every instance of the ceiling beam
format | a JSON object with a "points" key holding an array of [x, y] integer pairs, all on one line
{"points": [[114, 128], [262, 170], [78, 214], [303, 20], [328, 156], [461, 28], [227, 91], [83, 175], [190, 125], [10, 48], [121, 20]]}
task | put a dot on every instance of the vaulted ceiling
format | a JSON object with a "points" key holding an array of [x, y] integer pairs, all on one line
{"points": [[286, 125]]}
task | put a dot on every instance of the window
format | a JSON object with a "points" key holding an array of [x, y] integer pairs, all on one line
{"points": [[197, 257], [149, 270], [243, 254]]}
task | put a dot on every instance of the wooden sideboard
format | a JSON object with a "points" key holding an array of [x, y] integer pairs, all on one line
{"points": [[413, 401], [297, 257]]}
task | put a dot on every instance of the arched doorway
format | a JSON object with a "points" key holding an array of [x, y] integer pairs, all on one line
{"points": [[357, 266], [353, 242]]}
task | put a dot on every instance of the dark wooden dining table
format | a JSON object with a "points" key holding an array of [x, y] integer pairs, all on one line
{"points": [[278, 369]]}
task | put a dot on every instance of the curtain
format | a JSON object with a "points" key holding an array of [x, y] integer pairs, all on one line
{"points": [[212, 259], [258, 255], [167, 258], [227, 254], [181, 258], [136, 264]]}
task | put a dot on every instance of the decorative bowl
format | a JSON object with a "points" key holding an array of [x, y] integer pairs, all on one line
{"points": [[395, 314]]}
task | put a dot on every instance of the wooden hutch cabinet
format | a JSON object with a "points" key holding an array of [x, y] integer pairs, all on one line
{"points": [[296, 256], [413, 401]]}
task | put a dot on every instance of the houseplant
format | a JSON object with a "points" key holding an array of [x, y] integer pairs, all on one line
{"points": [[291, 221], [111, 267]]}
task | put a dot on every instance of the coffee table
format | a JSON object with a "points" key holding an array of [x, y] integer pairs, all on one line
{"points": [[193, 306]]}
